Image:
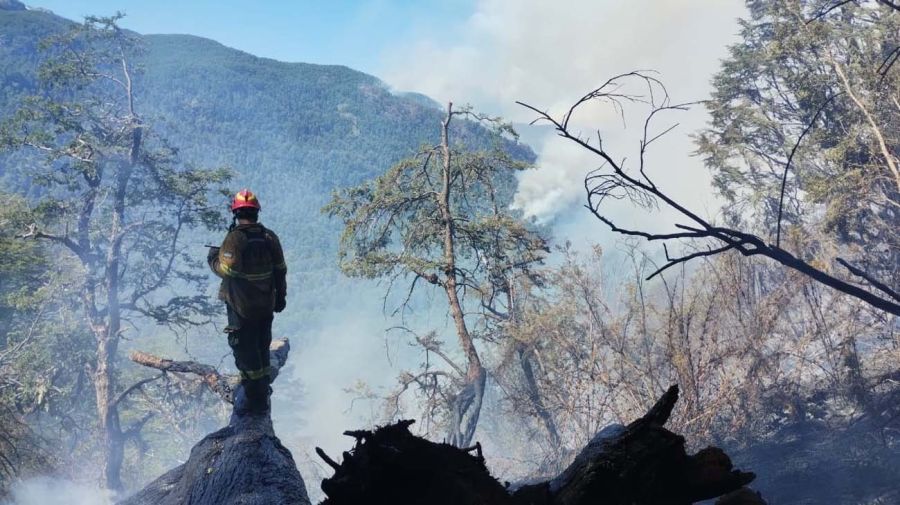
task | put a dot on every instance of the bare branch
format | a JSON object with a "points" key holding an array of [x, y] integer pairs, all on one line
{"points": [[134, 387], [787, 165], [871, 280], [826, 10], [218, 383], [670, 262], [70, 244], [617, 183], [327, 459], [891, 3]]}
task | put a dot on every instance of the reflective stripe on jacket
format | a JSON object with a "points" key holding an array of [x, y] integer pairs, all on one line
{"points": [[253, 271]]}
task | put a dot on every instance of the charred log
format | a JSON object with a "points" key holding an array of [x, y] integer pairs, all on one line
{"points": [[390, 465], [243, 463], [639, 464], [642, 463]]}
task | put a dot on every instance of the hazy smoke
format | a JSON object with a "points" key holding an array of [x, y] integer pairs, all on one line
{"points": [[50, 491], [352, 348], [550, 53]]}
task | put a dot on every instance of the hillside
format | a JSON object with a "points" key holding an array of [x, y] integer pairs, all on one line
{"points": [[292, 132]]}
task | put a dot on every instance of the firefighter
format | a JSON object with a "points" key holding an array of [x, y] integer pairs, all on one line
{"points": [[251, 265]]}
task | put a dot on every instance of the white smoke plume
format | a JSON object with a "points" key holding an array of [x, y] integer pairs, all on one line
{"points": [[548, 54]]}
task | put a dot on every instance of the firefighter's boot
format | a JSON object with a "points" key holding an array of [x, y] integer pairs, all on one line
{"points": [[257, 391]]}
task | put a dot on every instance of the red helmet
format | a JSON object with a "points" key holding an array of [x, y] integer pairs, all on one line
{"points": [[245, 199]]}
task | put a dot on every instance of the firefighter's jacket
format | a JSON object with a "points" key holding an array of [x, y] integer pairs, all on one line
{"points": [[251, 265]]}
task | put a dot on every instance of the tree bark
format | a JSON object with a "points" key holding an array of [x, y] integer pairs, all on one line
{"points": [[534, 395], [108, 344], [466, 404], [108, 415], [526, 355], [223, 385]]}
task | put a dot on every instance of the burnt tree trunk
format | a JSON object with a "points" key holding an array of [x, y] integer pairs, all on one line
{"points": [[639, 464], [113, 440], [525, 356], [642, 463], [243, 463]]}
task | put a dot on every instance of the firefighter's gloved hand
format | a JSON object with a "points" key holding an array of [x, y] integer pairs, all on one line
{"points": [[212, 253], [280, 303]]}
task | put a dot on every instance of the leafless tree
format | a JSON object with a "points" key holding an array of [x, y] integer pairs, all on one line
{"points": [[613, 181]]}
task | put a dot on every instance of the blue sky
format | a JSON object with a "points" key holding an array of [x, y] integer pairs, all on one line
{"points": [[345, 32]]}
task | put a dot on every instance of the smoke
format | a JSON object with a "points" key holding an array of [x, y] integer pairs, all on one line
{"points": [[51, 491], [557, 185], [349, 349], [548, 54], [350, 355]]}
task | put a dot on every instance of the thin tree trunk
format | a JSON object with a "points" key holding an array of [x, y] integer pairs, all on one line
{"points": [[525, 356], [534, 395], [852, 376], [113, 438], [466, 406], [113, 447]]}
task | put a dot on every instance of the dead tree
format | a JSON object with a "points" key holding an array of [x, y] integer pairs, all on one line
{"points": [[613, 181], [241, 463], [642, 463]]}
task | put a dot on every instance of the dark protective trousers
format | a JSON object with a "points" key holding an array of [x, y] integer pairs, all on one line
{"points": [[249, 340]]}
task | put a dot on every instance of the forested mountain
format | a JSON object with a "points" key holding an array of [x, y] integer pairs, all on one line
{"points": [[292, 132]]}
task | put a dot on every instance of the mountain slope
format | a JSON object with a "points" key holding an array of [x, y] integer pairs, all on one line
{"points": [[293, 132]]}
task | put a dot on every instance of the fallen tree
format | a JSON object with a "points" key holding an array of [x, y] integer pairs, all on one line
{"points": [[243, 463], [642, 463]]}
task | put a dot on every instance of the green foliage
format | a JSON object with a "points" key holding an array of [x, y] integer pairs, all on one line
{"points": [[443, 217], [117, 203], [44, 351], [793, 71], [292, 132], [97, 152], [394, 225]]}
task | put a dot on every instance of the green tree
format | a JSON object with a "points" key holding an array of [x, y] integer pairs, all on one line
{"points": [[801, 144], [21, 273], [114, 200], [801, 133], [442, 217]]}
